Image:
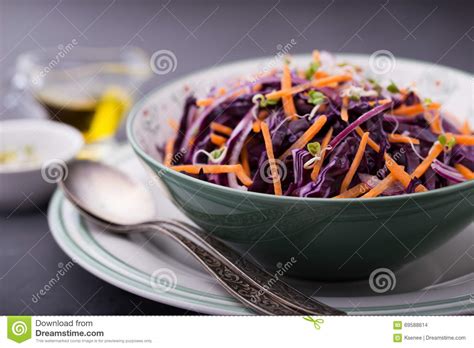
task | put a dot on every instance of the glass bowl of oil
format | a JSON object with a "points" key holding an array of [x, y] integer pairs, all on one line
{"points": [[88, 88]]}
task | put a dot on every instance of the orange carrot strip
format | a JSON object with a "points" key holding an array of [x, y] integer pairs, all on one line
{"points": [[376, 191], [465, 129], [317, 166], [355, 163], [215, 169], [464, 139], [221, 128], [398, 138], [222, 91], [316, 83], [257, 87], [320, 74], [331, 79], [257, 125], [415, 109], [436, 149], [173, 124], [204, 102], [217, 139], [370, 142], [169, 152], [244, 157], [435, 124], [464, 171], [355, 191], [306, 137], [288, 103], [271, 160], [400, 174], [344, 114]]}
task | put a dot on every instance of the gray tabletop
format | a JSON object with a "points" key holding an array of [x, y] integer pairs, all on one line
{"points": [[200, 34]]}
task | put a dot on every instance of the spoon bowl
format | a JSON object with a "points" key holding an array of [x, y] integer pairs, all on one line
{"points": [[108, 193]]}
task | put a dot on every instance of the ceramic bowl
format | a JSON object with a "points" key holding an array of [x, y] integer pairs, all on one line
{"points": [[39, 151], [323, 238]]}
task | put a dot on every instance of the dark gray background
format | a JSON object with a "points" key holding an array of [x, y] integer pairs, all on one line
{"points": [[201, 34]]}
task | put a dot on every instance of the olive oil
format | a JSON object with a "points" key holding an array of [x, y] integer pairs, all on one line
{"points": [[96, 115]]}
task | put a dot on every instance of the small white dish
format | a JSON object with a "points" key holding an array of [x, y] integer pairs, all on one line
{"points": [[33, 157]]}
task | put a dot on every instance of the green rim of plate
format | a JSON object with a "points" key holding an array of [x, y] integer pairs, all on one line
{"points": [[55, 214]]}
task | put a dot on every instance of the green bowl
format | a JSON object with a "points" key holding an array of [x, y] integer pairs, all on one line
{"points": [[313, 238]]}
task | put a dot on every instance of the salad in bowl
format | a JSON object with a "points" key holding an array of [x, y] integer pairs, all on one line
{"points": [[326, 131]]}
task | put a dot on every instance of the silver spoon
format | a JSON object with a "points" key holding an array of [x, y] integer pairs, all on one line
{"points": [[113, 200]]}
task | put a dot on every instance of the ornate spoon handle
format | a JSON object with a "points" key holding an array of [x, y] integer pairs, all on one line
{"points": [[279, 289], [246, 292]]}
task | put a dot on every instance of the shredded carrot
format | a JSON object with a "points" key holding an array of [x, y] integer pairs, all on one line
{"points": [[415, 109], [317, 166], [320, 74], [288, 102], [378, 189], [331, 79], [244, 158], [436, 149], [464, 139], [222, 91], [257, 87], [464, 171], [370, 142], [221, 128], [257, 125], [344, 114], [217, 139], [380, 102], [204, 102], [400, 174], [173, 124], [306, 137], [355, 191], [398, 138], [300, 88], [355, 163], [215, 169], [169, 152], [465, 129], [271, 160], [435, 123]]}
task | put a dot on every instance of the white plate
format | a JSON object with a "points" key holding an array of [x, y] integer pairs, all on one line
{"points": [[439, 283]]}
